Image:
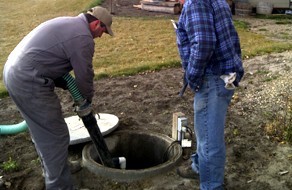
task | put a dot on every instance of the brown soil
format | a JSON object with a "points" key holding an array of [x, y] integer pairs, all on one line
{"points": [[255, 158]]}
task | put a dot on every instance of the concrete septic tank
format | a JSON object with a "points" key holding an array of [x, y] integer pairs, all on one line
{"points": [[147, 154]]}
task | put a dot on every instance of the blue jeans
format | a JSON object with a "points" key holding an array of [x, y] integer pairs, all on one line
{"points": [[210, 108]]}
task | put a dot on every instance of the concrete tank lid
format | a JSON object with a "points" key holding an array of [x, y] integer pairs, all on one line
{"points": [[78, 132]]}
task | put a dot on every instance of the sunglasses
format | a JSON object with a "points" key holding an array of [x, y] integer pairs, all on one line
{"points": [[103, 26]]}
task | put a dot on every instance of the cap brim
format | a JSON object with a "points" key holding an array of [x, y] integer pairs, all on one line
{"points": [[109, 31]]}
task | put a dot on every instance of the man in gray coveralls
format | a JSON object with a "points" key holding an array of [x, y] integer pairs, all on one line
{"points": [[48, 52]]}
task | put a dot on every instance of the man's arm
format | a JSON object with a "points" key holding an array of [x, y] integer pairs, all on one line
{"points": [[81, 61], [199, 28]]}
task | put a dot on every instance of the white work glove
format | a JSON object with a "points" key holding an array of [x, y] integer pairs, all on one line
{"points": [[229, 79]]}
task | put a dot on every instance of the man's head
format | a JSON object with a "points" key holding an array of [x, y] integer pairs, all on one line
{"points": [[104, 17]]}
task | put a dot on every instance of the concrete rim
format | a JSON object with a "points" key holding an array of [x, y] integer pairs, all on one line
{"points": [[131, 175]]}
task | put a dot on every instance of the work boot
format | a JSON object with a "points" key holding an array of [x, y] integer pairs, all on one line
{"points": [[75, 166], [187, 172]]}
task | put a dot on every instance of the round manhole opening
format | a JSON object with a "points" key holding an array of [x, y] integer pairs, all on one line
{"points": [[147, 154]]}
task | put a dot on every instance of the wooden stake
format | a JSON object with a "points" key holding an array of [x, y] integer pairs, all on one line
{"points": [[175, 117]]}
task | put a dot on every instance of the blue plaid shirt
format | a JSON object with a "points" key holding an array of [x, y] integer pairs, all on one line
{"points": [[207, 41]]}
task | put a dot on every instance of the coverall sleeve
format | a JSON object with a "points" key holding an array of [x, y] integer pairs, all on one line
{"points": [[81, 61]]}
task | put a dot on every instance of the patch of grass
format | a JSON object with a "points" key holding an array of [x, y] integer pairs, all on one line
{"points": [[263, 45], [288, 121], [270, 78], [288, 132], [241, 25], [101, 76], [280, 19], [94, 3], [3, 91], [274, 17], [285, 35], [284, 22], [263, 29], [36, 161], [143, 68], [274, 130], [279, 126], [10, 165], [266, 76], [262, 72]]}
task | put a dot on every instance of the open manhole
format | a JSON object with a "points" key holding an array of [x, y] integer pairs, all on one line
{"points": [[147, 154]]}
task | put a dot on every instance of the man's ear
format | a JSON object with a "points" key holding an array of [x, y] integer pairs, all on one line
{"points": [[96, 23], [93, 25]]}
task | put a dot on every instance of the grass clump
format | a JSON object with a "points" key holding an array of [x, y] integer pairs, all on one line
{"points": [[288, 121], [3, 91], [242, 25], [279, 126], [10, 165], [274, 17]]}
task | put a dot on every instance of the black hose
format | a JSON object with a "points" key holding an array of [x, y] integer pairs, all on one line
{"points": [[90, 123], [97, 138]]}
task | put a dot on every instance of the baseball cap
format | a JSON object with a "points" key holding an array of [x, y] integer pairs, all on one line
{"points": [[104, 16]]}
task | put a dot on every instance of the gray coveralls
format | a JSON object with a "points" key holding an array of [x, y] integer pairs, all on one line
{"points": [[51, 50]]}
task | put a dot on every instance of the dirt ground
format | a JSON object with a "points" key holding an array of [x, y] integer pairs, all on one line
{"points": [[256, 159]]}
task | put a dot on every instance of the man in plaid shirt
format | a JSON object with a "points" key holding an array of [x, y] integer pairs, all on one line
{"points": [[209, 48]]}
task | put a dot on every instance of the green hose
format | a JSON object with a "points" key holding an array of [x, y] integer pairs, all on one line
{"points": [[22, 126], [13, 129], [72, 87]]}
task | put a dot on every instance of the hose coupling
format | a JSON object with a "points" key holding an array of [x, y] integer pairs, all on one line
{"points": [[83, 108]]}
